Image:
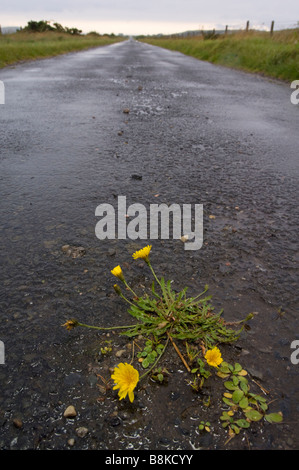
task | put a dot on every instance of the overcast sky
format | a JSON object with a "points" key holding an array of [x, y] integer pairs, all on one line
{"points": [[150, 16]]}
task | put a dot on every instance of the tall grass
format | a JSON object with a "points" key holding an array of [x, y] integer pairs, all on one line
{"points": [[274, 56], [22, 46]]}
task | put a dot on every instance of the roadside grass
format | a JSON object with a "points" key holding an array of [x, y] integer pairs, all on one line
{"points": [[23, 46], [274, 56]]}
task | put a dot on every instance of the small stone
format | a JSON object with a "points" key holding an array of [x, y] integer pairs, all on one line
{"points": [[120, 352], [126, 111], [82, 431], [17, 423], [71, 442], [70, 412], [115, 421], [65, 247], [256, 374], [77, 252], [136, 177]]}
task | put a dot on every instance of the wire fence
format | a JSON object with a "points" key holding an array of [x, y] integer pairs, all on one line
{"points": [[271, 26]]}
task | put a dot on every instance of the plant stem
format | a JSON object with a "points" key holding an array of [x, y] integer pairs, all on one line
{"points": [[127, 285], [102, 328], [179, 353], [154, 274], [123, 297]]}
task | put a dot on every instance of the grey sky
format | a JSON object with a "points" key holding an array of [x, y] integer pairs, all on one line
{"points": [[150, 16]]}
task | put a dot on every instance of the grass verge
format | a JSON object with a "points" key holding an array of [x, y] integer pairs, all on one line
{"points": [[274, 56], [22, 46]]}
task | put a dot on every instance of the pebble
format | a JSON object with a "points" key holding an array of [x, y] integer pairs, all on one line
{"points": [[71, 442], [65, 247], [70, 412], [256, 374], [17, 423], [120, 352], [82, 431]]}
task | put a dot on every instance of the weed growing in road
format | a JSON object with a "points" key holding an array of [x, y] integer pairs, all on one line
{"points": [[189, 324]]}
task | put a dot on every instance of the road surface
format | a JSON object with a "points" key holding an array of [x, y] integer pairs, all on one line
{"points": [[155, 126]]}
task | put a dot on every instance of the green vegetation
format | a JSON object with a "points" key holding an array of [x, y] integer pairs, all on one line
{"points": [[245, 407], [190, 325], [42, 26], [274, 55], [39, 40]]}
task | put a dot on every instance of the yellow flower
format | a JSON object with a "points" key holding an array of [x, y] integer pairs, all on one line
{"points": [[70, 324], [143, 253], [213, 357], [126, 378], [117, 271]]}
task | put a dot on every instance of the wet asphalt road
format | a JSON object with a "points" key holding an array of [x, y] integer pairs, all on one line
{"points": [[193, 133]]}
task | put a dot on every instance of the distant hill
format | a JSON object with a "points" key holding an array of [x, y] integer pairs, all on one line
{"points": [[9, 29]]}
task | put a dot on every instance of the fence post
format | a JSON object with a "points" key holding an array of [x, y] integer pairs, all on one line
{"points": [[226, 27], [247, 26], [2, 95], [272, 28], [2, 353]]}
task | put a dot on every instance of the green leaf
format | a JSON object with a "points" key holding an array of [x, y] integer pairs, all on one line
{"points": [[253, 415], [235, 428], [235, 380], [263, 406], [225, 417], [229, 385], [224, 368], [242, 379], [243, 403], [237, 395], [237, 368], [222, 375], [225, 424], [242, 423], [244, 387], [145, 363], [274, 417], [260, 398], [228, 402]]}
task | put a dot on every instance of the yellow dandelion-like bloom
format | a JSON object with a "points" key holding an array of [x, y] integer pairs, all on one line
{"points": [[213, 357], [70, 324], [117, 271], [126, 378], [143, 253]]}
